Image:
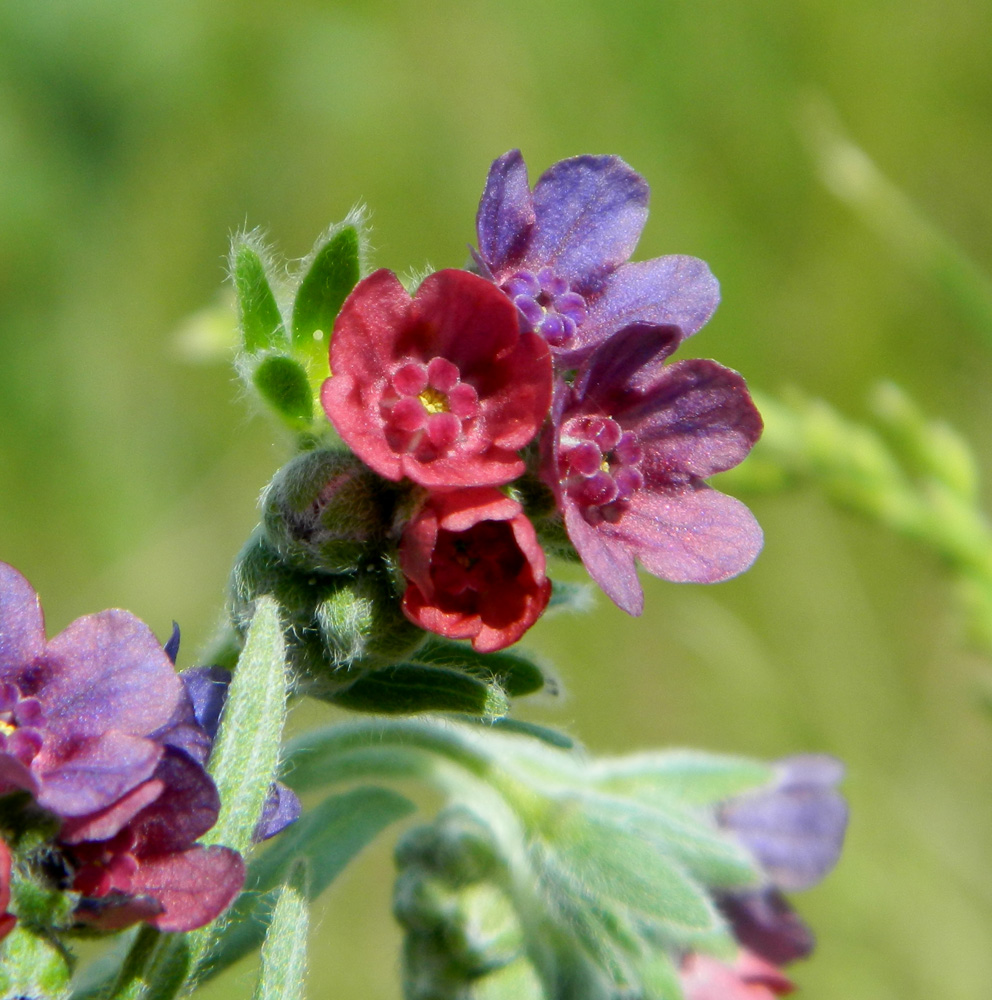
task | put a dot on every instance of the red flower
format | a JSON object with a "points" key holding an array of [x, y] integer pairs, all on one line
{"points": [[442, 388], [474, 568], [748, 978], [7, 920]]}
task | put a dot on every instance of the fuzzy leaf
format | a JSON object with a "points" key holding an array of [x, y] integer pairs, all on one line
{"points": [[32, 966], [245, 756], [688, 777], [513, 672], [283, 383], [284, 952], [327, 837], [334, 269], [410, 688], [617, 866], [261, 321]]}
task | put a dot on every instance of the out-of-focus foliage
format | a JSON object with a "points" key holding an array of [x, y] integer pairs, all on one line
{"points": [[135, 138]]}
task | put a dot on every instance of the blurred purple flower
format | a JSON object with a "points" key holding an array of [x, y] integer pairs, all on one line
{"points": [[629, 445], [795, 828], [78, 713], [560, 253]]}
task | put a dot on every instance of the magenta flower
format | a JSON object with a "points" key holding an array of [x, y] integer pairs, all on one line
{"points": [[560, 253], [631, 442], [138, 859], [77, 713], [442, 388], [474, 568], [7, 920]]}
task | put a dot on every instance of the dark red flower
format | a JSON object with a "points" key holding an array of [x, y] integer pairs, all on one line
{"points": [[77, 713], [630, 443], [747, 978], [442, 388], [139, 860], [474, 568], [7, 920]]}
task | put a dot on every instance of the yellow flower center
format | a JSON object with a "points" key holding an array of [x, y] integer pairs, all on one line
{"points": [[434, 400]]}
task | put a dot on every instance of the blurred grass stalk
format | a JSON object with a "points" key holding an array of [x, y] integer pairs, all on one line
{"points": [[852, 176]]}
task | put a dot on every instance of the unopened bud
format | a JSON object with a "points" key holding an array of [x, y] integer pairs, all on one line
{"points": [[333, 623], [326, 511]]}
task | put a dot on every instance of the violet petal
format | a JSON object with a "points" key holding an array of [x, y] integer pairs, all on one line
{"points": [[609, 564], [95, 773], [676, 290], [795, 828], [590, 211], [207, 688], [506, 212], [696, 420], [186, 809], [108, 671], [22, 625], [281, 808], [688, 535]]}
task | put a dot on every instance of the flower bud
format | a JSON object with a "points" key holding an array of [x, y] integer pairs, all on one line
{"points": [[326, 511], [333, 623]]}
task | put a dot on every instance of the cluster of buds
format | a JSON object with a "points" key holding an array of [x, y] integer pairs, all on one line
{"points": [[490, 416], [104, 789]]}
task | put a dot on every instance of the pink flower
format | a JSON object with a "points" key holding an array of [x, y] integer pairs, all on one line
{"points": [[474, 568], [442, 388], [631, 441], [748, 978], [7, 920]]}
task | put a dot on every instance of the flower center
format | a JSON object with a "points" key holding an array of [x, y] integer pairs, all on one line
{"points": [[20, 720], [547, 304], [599, 464], [434, 400], [427, 408]]}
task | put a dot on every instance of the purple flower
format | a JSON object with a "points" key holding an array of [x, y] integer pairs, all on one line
{"points": [[560, 253], [193, 729], [795, 828], [630, 443], [78, 713], [138, 859]]}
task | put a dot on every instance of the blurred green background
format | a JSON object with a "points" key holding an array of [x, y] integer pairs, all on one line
{"points": [[136, 137]]}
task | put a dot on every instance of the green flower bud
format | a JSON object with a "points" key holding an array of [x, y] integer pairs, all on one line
{"points": [[326, 511], [334, 624]]}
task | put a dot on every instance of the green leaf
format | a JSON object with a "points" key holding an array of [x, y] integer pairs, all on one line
{"points": [[283, 383], [689, 777], [261, 321], [32, 966], [330, 272], [410, 688], [618, 866], [284, 953], [516, 674], [245, 755], [327, 837]]}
